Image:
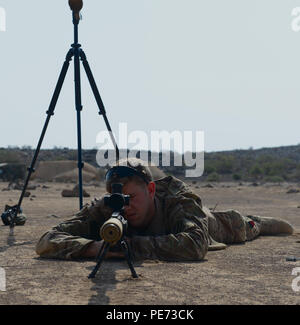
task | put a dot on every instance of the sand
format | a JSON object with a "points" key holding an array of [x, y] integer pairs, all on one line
{"points": [[255, 273]]}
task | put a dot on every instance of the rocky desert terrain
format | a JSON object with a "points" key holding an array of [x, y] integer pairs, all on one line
{"points": [[255, 273]]}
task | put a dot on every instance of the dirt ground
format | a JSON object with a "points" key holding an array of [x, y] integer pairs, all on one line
{"points": [[253, 273]]}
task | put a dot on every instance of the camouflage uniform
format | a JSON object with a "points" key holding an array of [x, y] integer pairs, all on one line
{"points": [[181, 229]]}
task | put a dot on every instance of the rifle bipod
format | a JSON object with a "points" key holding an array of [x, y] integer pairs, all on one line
{"points": [[101, 255]]}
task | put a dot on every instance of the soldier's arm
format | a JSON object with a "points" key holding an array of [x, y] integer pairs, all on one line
{"points": [[73, 238], [188, 238]]}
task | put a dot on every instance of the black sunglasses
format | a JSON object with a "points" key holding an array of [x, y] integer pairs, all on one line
{"points": [[124, 171]]}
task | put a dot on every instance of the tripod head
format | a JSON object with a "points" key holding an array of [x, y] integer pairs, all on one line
{"points": [[76, 6]]}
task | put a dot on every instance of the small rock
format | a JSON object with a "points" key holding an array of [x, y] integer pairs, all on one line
{"points": [[292, 190], [17, 186], [52, 216], [74, 192]]}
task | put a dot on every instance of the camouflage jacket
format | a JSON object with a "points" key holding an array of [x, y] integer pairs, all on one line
{"points": [[181, 229]]}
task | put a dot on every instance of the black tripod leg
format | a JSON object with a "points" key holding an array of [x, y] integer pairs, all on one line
{"points": [[98, 98], [50, 112], [78, 109], [127, 253], [99, 260]]}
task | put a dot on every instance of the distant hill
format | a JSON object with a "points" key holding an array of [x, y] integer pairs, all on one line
{"points": [[266, 164]]}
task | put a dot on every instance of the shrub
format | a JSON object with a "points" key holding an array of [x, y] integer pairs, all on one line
{"points": [[213, 177], [274, 179], [237, 177], [256, 171]]}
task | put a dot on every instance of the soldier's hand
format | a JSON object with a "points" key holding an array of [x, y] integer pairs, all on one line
{"points": [[93, 249]]}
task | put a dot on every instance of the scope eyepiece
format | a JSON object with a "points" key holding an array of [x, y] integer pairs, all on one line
{"points": [[116, 201]]}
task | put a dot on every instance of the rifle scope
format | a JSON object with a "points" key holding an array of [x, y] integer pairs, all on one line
{"points": [[114, 228]]}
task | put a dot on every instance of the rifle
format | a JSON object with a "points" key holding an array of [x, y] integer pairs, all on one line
{"points": [[113, 231]]}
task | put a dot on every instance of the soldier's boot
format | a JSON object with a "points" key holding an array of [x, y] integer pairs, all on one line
{"points": [[271, 226]]}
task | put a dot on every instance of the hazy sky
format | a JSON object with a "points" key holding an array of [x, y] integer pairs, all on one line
{"points": [[229, 68]]}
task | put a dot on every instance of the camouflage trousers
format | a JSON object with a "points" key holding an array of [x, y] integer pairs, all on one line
{"points": [[231, 227]]}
